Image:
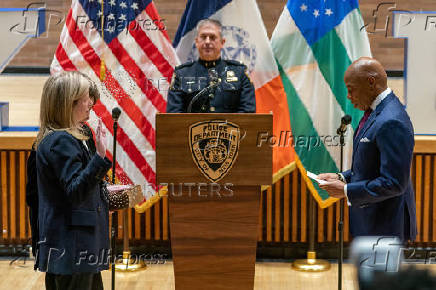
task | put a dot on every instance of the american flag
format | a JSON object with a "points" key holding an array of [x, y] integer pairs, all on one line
{"points": [[139, 61]]}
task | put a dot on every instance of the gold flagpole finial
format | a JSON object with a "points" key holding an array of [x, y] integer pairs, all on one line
{"points": [[102, 70]]}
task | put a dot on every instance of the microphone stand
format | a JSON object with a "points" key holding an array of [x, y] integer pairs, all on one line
{"points": [[113, 227], [341, 214], [199, 94]]}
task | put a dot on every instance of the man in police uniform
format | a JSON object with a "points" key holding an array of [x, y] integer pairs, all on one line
{"points": [[211, 84]]}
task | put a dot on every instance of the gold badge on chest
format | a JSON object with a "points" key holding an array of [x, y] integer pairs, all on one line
{"points": [[231, 76]]}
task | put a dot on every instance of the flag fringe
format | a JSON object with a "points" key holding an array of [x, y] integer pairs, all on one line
{"points": [[284, 171], [143, 207], [322, 203], [280, 174]]}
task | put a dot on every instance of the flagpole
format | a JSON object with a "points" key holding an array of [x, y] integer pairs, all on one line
{"points": [[311, 264]]}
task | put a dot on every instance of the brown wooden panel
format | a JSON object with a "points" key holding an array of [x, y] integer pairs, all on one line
{"points": [[22, 194], [172, 135], [330, 223], [216, 247], [120, 224], [293, 218], [425, 144], [129, 223], [148, 224], [165, 218], [418, 193], [303, 207], [320, 236], [337, 205], [12, 195], [426, 200], [17, 140], [260, 225], [434, 199], [137, 226], [277, 212], [110, 225], [286, 208], [157, 220], [390, 51], [4, 187], [294, 205], [269, 214], [346, 223]]}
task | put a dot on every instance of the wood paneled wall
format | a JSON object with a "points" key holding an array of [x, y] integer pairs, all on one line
{"points": [[40, 51], [14, 218], [284, 210]]}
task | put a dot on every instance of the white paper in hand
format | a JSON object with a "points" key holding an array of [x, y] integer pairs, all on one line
{"points": [[315, 177]]}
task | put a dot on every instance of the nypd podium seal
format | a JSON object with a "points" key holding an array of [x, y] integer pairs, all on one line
{"points": [[214, 146]]}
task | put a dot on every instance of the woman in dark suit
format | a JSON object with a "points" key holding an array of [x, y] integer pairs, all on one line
{"points": [[73, 212]]}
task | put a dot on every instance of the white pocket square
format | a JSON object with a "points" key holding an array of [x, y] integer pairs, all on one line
{"points": [[365, 140]]}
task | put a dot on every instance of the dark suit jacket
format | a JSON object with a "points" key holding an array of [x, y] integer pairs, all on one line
{"points": [[379, 185], [73, 215], [234, 94], [32, 188]]}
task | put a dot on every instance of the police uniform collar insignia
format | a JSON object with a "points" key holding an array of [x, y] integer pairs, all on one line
{"points": [[209, 63]]}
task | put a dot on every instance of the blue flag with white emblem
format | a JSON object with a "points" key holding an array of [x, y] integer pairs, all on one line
{"points": [[246, 40]]}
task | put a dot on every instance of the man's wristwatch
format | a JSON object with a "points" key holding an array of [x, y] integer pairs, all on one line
{"points": [[340, 177]]}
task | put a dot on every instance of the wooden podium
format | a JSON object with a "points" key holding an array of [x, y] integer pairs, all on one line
{"points": [[214, 193]]}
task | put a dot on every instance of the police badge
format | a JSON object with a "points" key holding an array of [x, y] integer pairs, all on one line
{"points": [[214, 146]]}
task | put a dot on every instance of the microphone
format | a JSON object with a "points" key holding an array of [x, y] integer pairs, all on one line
{"points": [[116, 112], [345, 121], [214, 81], [213, 76]]}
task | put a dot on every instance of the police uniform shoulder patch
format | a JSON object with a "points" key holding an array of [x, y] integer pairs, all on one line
{"points": [[186, 64], [234, 62]]}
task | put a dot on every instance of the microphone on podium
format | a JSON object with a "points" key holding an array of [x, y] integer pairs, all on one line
{"points": [[215, 80], [345, 121]]}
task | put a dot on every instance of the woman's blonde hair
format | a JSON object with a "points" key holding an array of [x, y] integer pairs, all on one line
{"points": [[59, 95]]}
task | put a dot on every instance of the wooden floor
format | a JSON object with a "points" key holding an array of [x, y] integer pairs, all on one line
{"points": [[269, 276]]}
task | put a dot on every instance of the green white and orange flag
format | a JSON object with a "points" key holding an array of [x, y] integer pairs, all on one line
{"points": [[246, 41], [314, 43]]}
